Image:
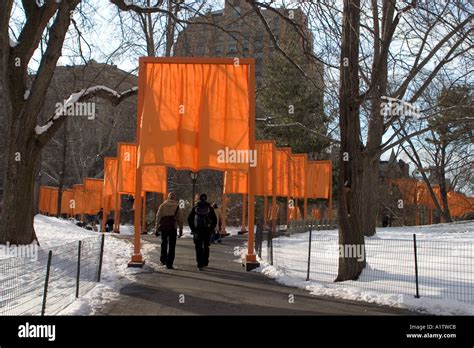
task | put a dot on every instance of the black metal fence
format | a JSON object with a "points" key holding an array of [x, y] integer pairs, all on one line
{"points": [[48, 283], [405, 267]]}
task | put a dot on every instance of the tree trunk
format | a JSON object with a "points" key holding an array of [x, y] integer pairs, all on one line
{"points": [[349, 186], [368, 202], [18, 202]]}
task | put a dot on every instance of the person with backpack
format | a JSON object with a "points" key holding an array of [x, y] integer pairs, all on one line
{"points": [[202, 222], [168, 219]]}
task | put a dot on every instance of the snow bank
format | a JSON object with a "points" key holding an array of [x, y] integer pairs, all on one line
{"points": [[445, 262], [58, 234]]}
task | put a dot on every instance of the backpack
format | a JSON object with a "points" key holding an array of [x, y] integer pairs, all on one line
{"points": [[201, 217], [168, 223]]}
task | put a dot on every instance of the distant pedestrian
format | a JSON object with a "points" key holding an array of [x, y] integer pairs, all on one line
{"points": [[202, 222], [217, 233], [168, 219]]}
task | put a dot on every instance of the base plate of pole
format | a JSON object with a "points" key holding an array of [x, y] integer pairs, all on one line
{"points": [[136, 264], [242, 232], [249, 264]]}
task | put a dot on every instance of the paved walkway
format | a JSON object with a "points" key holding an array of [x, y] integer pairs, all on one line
{"points": [[224, 288]]}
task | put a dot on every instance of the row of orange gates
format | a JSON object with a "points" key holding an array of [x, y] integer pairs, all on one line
{"points": [[280, 173], [416, 193]]}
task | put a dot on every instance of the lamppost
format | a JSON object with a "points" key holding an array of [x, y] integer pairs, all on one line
{"points": [[194, 176]]}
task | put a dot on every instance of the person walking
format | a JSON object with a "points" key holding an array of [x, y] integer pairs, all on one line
{"points": [[168, 218], [202, 222], [217, 235]]}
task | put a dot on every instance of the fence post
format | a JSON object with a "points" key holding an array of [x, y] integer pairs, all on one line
{"points": [[78, 268], [101, 256], [309, 252], [416, 266], [46, 282]]}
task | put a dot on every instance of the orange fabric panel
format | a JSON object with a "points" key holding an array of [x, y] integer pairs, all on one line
{"points": [[195, 110], [264, 175], [53, 200], [423, 196], [318, 179], [459, 204], [408, 189], [42, 205], [127, 167], [298, 174], [110, 183], [235, 182], [154, 179], [78, 199], [93, 195], [282, 159], [66, 198]]}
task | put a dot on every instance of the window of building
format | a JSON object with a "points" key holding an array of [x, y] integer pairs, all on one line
{"points": [[231, 47]]}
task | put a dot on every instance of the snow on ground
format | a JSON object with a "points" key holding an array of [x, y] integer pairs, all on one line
{"points": [[59, 235], [445, 264]]}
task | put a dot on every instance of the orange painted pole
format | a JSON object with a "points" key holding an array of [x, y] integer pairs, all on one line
{"points": [[244, 212], [251, 257], [288, 215], [137, 259], [144, 213], [265, 210], [104, 216]]}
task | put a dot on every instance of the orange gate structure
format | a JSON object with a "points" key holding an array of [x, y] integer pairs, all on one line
{"points": [[189, 110]]}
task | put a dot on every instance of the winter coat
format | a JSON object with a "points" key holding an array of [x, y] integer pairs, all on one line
{"points": [[212, 217], [168, 208]]}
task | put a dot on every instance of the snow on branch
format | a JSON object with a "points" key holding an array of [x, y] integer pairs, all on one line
{"points": [[97, 91]]}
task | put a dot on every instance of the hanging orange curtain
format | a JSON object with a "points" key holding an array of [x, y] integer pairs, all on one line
{"points": [[127, 164], [93, 189], [43, 205], [318, 179], [110, 183], [235, 182], [282, 160], [298, 174], [53, 200], [153, 177], [78, 199], [408, 189], [67, 197], [458, 204], [197, 112], [265, 167]]}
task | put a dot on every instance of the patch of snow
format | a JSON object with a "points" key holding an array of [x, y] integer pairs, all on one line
{"points": [[57, 233], [27, 94], [446, 273], [13, 43]]}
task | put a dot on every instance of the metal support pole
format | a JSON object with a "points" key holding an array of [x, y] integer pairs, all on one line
{"points": [[78, 275], [416, 267], [101, 257], [46, 283]]}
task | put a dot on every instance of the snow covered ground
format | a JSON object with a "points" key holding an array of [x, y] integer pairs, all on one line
{"points": [[445, 264], [24, 278]]}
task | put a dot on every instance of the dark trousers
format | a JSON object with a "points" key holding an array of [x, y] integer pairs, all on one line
{"points": [[201, 244], [168, 246]]}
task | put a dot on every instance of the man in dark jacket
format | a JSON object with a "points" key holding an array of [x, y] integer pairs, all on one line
{"points": [[202, 222], [168, 219]]}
